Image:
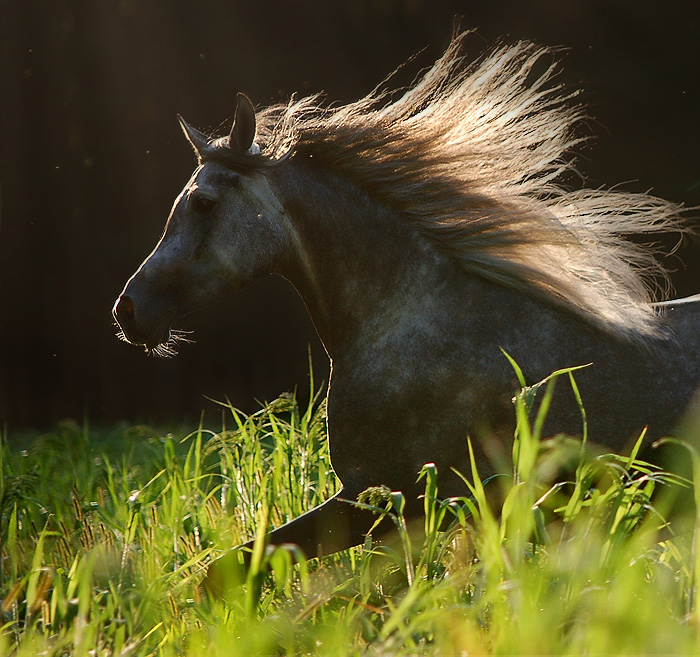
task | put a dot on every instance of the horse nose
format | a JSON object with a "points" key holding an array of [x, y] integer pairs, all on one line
{"points": [[124, 311]]}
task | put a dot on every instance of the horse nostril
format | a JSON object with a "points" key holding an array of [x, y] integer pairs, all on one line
{"points": [[124, 310]]}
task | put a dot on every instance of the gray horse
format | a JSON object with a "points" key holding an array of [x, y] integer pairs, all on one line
{"points": [[425, 234]]}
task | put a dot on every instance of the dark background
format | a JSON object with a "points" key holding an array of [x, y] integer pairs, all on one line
{"points": [[91, 158]]}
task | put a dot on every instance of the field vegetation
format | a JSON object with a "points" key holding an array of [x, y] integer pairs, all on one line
{"points": [[105, 538]]}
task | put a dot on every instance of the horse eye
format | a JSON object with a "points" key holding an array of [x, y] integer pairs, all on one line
{"points": [[203, 205]]}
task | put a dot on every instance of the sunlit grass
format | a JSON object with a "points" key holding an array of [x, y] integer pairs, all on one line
{"points": [[105, 540]]}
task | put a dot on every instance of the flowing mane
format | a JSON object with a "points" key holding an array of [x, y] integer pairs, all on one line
{"points": [[473, 155]]}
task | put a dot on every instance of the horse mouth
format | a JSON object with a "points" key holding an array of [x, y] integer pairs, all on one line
{"points": [[166, 345]]}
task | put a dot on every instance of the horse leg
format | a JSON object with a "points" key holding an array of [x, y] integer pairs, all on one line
{"points": [[335, 525]]}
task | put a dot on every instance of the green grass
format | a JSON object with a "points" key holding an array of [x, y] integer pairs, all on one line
{"points": [[105, 539]]}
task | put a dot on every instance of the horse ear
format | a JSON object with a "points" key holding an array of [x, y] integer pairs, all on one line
{"points": [[243, 130], [198, 140]]}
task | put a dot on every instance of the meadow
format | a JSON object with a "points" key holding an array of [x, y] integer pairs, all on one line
{"points": [[106, 535]]}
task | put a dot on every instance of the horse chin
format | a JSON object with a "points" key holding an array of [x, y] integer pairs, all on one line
{"points": [[156, 345], [168, 346], [162, 350]]}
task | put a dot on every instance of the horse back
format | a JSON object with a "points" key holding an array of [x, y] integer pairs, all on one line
{"points": [[682, 316]]}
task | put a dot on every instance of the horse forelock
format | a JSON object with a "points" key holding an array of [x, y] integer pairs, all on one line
{"points": [[218, 150], [474, 154]]}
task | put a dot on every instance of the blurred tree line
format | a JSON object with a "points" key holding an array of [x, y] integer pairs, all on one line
{"points": [[91, 159]]}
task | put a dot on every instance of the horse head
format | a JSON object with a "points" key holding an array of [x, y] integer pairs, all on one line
{"points": [[225, 229]]}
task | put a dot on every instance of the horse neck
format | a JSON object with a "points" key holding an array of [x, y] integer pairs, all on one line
{"points": [[358, 266]]}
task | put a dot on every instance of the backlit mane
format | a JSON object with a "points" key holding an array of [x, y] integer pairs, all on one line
{"points": [[474, 155]]}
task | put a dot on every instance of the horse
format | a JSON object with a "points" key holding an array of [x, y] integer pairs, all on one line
{"points": [[428, 231]]}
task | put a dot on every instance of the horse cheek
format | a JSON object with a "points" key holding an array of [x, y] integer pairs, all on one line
{"points": [[258, 249]]}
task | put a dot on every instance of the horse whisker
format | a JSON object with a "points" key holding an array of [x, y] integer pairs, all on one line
{"points": [[120, 333]]}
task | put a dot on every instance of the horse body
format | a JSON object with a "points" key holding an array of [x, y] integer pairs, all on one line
{"points": [[415, 343], [414, 338]]}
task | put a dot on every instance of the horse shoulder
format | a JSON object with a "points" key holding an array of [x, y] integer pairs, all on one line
{"points": [[413, 393]]}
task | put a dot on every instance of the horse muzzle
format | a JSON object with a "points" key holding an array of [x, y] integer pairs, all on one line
{"points": [[137, 327]]}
